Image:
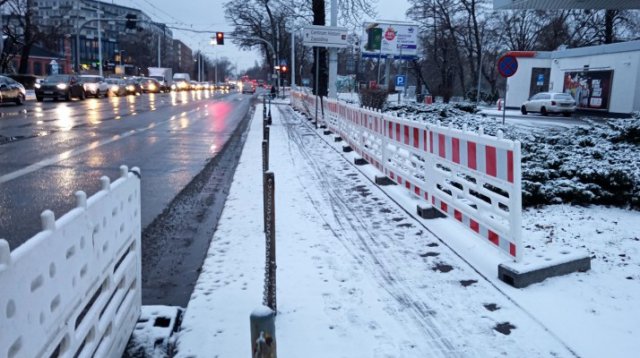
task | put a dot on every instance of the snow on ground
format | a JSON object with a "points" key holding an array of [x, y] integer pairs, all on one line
{"points": [[358, 276]]}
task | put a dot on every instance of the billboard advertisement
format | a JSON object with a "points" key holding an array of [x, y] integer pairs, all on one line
{"points": [[399, 40], [590, 89]]}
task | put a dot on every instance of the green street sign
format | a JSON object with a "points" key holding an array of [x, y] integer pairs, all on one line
{"points": [[374, 39]]}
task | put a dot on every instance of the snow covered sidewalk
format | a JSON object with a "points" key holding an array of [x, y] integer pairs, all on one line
{"points": [[357, 275]]}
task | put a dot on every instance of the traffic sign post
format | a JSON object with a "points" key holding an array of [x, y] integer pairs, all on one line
{"points": [[323, 36], [401, 81], [507, 67]]}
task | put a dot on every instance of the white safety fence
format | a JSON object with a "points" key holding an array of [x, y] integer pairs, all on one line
{"points": [[470, 176], [74, 289]]}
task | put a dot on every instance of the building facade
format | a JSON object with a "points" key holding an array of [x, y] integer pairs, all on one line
{"points": [[79, 17], [603, 78], [183, 57]]}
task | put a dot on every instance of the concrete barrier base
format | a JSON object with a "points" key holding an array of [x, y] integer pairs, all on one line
{"points": [[429, 212], [360, 161], [337, 139], [383, 180], [347, 149], [525, 273], [326, 132]]}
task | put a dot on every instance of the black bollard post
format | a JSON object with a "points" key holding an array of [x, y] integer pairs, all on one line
{"points": [[265, 156], [270, 236], [263, 333], [265, 133]]}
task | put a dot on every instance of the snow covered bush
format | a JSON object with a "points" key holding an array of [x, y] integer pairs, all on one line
{"points": [[373, 97]]}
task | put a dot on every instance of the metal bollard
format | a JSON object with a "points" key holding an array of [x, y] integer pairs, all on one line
{"points": [[265, 133], [265, 155], [269, 298], [269, 115], [265, 168], [263, 333]]}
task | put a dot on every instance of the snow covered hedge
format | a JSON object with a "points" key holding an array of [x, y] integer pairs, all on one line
{"points": [[598, 163]]}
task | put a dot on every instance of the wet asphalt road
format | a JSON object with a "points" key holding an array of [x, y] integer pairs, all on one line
{"points": [[50, 150]]}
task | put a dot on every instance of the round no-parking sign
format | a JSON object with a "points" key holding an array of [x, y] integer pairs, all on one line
{"points": [[507, 65]]}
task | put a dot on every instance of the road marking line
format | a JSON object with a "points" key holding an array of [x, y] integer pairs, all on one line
{"points": [[76, 151]]}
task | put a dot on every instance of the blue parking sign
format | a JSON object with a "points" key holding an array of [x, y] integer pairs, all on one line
{"points": [[401, 80]]}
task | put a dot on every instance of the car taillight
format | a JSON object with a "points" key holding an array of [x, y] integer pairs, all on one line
{"points": [[553, 103]]}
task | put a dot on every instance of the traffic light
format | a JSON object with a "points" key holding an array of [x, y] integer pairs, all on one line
{"points": [[219, 38], [283, 68], [132, 20]]}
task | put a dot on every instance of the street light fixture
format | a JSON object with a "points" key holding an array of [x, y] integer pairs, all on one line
{"points": [[78, 28]]}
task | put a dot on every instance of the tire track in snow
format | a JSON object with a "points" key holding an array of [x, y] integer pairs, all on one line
{"points": [[387, 258], [360, 236]]}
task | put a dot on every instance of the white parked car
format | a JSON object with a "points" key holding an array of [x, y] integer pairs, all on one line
{"points": [[94, 86], [550, 102]]}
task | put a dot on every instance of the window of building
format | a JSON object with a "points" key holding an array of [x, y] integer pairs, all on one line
{"points": [[37, 68]]}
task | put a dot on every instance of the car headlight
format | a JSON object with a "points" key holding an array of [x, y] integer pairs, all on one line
{"points": [[62, 86], [130, 88], [92, 86], [115, 88], [37, 85], [152, 87], [173, 86]]}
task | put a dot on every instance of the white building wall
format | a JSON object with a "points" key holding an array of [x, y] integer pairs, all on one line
{"points": [[625, 66], [519, 83], [625, 91]]}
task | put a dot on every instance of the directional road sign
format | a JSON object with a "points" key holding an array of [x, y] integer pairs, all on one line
{"points": [[507, 66], [325, 36]]}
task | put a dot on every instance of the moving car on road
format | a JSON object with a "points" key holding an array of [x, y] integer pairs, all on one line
{"points": [[550, 102], [248, 87], [60, 86], [133, 86], [94, 86], [117, 87], [11, 91], [181, 82], [150, 85]]}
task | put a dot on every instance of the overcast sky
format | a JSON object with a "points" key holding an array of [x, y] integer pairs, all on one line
{"points": [[209, 15]]}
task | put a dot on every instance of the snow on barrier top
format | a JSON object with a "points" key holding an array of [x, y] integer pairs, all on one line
{"points": [[472, 177], [74, 289]]}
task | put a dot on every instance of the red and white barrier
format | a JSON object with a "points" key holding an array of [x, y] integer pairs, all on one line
{"points": [[74, 289], [471, 177]]}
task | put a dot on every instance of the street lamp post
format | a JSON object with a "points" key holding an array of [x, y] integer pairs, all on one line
{"points": [[480, 70], [79, 27], [99, 44]]}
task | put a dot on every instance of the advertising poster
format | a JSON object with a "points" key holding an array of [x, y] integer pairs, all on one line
{"points": [[539, 80], [389, 39], [590, 89]]}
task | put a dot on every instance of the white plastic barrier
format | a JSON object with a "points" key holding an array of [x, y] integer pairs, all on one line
{"points": [[74, 289], [472, 177]]}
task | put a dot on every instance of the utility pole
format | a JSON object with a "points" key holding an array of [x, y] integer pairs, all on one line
{"points": [[1, 34], [99, 44], [333, 54], [278, 58], [293, 59]]}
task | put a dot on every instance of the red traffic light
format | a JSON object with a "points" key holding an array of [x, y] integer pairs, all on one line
{"points": [[219, 38]]}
